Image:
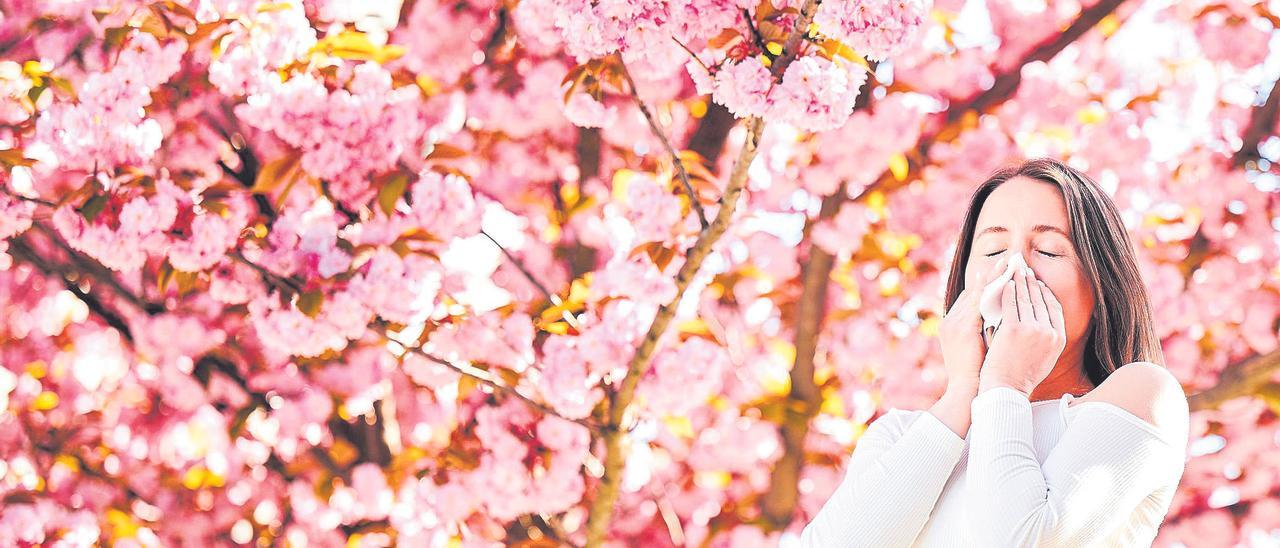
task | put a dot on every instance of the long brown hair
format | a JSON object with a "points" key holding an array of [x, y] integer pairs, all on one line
{"points": [[1122, 330]]}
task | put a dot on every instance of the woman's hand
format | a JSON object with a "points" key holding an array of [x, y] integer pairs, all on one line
{"points": [[1030, 339], [960, 333]]}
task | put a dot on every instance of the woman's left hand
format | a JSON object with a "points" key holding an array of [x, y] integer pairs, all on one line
{"points": [[1030, 338]]}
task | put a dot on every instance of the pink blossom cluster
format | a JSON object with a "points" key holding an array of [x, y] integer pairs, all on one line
{"points": [[289, 331], [46, 522], [344, 135], [816, 94], [424, 371], [441, 205], [683, 378], [878, 29], [565, 381], [305, 242], [654, 212], [1231, 35], [644, 31], [233, 282], [108, 125], [207, 241], [843, 234], [299, 420], [254, 49], [527, 465], [444, 40], [15, 218], [444, 205], [533, 108], [635, 278], [583, 110], [127, 230], [359, 380], [735, 443], [13, 87], [488, 338], [845, 154], [572, 368], [399, 289]]}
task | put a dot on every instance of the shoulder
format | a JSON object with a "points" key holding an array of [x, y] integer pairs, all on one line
{"points": [[1148, 392]]}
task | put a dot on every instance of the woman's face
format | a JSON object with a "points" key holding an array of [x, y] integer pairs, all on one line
{"points": [[1031, 216]]}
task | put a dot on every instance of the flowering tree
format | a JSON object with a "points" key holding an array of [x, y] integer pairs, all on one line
{"points": [[542, 272]]}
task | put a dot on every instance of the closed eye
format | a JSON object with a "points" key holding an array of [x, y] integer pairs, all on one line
{"points": [[1002, 251]]}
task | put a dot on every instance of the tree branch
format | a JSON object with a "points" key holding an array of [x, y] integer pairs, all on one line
{"points": [[675, 156], [804, 399], [23, 251], [1262, 123], [588, 151], [1242, 378], [601, 511]]}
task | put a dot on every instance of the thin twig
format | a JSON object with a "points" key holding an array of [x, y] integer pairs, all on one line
{"points": [[754, 31], [692, 54], [675, 156], [21, 250], [551, 297], [485, 378], [235, 254], [521, 268], [17, 196], [92, 267]]}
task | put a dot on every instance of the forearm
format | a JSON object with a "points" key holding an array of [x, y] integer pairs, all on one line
{"points": [[1006, 487], [886, 496], [954, 408]]}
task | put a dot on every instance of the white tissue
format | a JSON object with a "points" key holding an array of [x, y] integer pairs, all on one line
{"points": [[989, 304]]}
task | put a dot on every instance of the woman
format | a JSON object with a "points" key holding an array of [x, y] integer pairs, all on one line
{"points": [[1064, 431]]}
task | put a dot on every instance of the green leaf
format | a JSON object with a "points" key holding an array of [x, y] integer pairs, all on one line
{"points": [[509, 376], [443, 151], [237, 423], [276, 172], [355, 45], [93, 207], [186, 281], [166, 274], [13, 157], [113, 37], [309, 302], [391, 191]]}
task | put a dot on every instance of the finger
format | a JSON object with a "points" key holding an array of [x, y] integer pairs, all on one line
{"points": [[1055, 308], [1020, 288], [1038, 305], [1008, 303]]}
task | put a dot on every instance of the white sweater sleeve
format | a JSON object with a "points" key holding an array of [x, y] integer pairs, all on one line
{"points": [[894, 477], [1106, 462]]}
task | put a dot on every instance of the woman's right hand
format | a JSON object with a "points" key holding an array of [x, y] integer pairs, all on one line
{"points": [[960, 332]]}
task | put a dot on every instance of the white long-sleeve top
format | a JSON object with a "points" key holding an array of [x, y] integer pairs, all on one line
{"points": [[1045, 474]]}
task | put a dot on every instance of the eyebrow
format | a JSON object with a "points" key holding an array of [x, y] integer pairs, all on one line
{"points": [[1036, 229]]}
